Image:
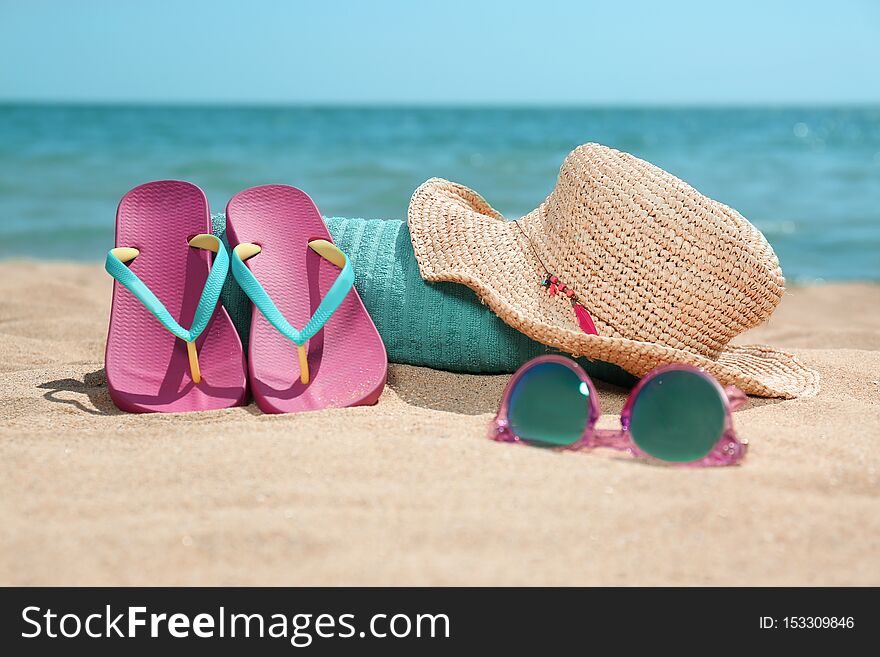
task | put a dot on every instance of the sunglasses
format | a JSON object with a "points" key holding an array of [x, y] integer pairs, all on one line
{"points": [[677, 413]]}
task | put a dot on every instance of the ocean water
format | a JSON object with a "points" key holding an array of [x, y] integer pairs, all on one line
{"points": [[809, 178]]}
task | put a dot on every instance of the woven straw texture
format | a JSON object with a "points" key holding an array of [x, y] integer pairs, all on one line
{"points": [[667, 274]]}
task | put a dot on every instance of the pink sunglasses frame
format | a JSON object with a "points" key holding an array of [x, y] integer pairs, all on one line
{"points": [[729, 450]]}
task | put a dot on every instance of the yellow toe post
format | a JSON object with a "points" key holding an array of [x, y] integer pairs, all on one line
{"points": [[194, 362], [125, 253], [246, 250], [328, 251], [303, 364], [205, 241]]}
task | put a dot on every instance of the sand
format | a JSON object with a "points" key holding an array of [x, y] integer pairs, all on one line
{"points": [[410, 491]]}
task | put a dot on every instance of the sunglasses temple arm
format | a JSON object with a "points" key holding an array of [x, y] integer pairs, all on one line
{"points": [[735, 397]]}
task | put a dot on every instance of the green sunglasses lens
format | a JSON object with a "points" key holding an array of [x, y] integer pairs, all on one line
{"points": [[549, 405], [678, 416]]}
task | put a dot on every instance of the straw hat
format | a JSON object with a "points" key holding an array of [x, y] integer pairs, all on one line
{"points": [[666, 274]]}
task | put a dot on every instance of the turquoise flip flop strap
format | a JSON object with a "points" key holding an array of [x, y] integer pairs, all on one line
{"points": [[207, 302], [261, 299]]}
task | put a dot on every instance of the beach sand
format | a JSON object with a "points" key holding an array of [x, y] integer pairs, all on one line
{"points": [[410, 491]]}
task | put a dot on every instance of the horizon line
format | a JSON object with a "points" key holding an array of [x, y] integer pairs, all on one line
{"points": [[399, 105]]}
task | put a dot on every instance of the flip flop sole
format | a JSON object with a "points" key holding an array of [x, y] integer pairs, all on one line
{"points": [[347, 359], [147, 367]]}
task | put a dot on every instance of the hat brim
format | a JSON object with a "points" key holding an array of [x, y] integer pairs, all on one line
{"points": [[442, 214]]}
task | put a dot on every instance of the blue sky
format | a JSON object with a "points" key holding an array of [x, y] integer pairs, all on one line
{"points": [[459, 52]]}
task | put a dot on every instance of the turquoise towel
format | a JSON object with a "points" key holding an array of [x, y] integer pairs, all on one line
{"points": [[439, 325]]}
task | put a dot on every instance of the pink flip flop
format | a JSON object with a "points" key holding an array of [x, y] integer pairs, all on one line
{"points": [[164, 278], [296, 277]]}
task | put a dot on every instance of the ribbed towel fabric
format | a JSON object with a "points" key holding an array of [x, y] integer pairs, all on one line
{"points": [[438, 325]]}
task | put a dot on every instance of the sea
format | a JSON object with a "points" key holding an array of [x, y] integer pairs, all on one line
{"points": [[809, 178]]}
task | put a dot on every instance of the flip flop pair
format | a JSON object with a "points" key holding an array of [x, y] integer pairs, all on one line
{"points": [[169, 270]]}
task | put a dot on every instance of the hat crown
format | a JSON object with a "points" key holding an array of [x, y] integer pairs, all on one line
{"points": [[650, 257]]}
